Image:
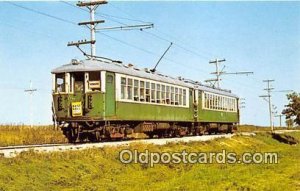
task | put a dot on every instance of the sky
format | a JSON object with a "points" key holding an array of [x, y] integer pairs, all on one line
{"points": [[261, 37]]}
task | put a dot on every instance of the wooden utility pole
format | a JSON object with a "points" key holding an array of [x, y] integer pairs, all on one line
{"points": [[280, 121], [218, 73], [216, 81], [30, 91], [91, 6], [92, 23], [269, 100]]}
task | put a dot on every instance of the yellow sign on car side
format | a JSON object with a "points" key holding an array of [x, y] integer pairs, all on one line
{"points": [[76, 109]]}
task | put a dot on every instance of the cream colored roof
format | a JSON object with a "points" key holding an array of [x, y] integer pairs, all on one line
{"points": [[101, 65]]}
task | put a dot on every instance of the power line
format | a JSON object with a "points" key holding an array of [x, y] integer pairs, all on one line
{"points": [[143, 50], [73, 23], [123, 42], [41, 13], [27, 30], [92, 6], [190, 50], [105, 15], [118, 8], [178, 45], [154, 35], [147, 51], [128, 27], [149, 33], [128, 44], [164, 39]]}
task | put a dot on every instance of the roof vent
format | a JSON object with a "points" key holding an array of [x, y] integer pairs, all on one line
{"points": [[75, 61], [146, 70], [130, 65]]}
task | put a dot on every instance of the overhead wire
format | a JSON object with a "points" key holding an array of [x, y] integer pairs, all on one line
{"points": [[123, 42], [179, 45], [41, 13], [137, 20], [174, 38], [175, 43], [99, 14], [149, 52], [73, 23], [27, 30], [146, 51]]}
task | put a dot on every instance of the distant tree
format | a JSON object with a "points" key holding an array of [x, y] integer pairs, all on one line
{"points": [[289, 123], [292, 110]]}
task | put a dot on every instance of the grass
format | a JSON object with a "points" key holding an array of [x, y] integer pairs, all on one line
{"points": [[22, 134], [100, 169], [249, 128]]}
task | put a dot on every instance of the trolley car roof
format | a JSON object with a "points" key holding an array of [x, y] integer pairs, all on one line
{"points": [[99, 65]]}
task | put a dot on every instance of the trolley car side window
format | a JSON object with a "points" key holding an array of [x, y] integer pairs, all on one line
{"points": [[123, 88], [219, 102], [148, 91], [94, 82]]}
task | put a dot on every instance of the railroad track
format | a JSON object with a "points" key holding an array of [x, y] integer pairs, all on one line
{"points": [[12, 151], [30, 146]]}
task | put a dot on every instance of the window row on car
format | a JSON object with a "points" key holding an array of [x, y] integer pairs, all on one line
{"points": [[142, 90], [219, 102]]}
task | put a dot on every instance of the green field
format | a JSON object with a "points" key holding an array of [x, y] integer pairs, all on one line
{"points": [[22, 134], [100, 169]]}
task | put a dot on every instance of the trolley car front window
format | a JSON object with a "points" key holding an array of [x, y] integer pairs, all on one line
{"points": [[60, 83], [78, 82]]}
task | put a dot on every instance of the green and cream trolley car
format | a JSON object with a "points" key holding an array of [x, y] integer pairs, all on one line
{"points": [[105, 99]]}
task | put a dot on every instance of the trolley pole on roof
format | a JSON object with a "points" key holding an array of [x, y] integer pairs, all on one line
{"points": [[30, 91], [154, 69], [269, 100]]}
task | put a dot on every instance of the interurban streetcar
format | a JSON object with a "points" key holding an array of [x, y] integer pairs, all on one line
{"points": [[100, 99]]}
